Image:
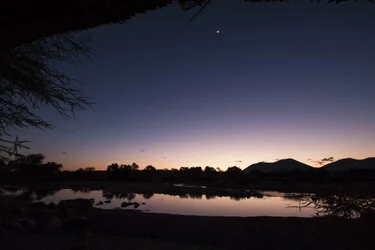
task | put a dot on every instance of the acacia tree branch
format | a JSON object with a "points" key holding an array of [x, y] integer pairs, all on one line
{"points": [[29, 80]]}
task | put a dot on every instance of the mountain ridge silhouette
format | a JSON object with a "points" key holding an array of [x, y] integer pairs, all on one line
{"points": [[289, 164], [347, 164], [283, 165]]}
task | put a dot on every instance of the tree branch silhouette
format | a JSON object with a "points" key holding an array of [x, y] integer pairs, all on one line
{"points": [[29, 81], [28, 18]]}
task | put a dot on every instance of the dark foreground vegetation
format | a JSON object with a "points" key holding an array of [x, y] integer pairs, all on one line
{"points": [[75, 224]]}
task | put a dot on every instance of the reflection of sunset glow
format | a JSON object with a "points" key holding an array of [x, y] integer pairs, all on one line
{"points": [[218, 206]]}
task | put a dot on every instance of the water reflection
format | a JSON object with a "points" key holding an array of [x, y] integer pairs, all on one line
{"points": [[147, 195], [181, 201], [109, 195], [128, 196], [40, 193], [210, 196], [195, 196], [188, 203], [214, 193], [216, 203], [134, 204], [82, 190]]}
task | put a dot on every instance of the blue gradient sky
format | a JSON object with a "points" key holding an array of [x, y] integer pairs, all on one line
{"points": [[279, 80]]}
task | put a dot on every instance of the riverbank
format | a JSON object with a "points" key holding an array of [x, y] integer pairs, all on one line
{"points": [[133, 230], [76, 225], [240, 233]]}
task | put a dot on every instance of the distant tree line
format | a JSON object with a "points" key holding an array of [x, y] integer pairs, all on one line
{"points": [[33, 168], [29, 167]]}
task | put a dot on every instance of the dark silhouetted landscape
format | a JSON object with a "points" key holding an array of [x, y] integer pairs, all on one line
{"points": [[187, 124]]}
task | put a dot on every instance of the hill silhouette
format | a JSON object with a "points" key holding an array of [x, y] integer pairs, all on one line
{"points": [[348, 164], [281, 166]]}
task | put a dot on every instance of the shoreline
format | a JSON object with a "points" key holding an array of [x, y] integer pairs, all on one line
{"points": [[74, 225], [122, 229], [355, 189]]}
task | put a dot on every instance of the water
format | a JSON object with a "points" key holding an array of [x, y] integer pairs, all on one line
{"points": [[206, 202], [271, 204]]}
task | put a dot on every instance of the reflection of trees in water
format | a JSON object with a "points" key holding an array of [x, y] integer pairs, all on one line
{"points": [[195, 196], [130, 196], [232, 197], [337, 205], [109, 195], [147, 195], [210, 196], [81, 190], [235, 198], [40, 193], [183, 196]]}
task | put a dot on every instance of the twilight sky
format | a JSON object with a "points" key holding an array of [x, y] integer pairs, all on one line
{"points": [[278, 81]]}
